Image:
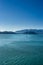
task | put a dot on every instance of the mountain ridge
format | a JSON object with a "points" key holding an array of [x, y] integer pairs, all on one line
{"points": [[24, 31]]}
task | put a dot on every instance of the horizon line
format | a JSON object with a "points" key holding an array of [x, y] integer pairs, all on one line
{"points": [[19, 30]]}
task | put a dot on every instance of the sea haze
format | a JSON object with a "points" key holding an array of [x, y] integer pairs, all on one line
{"points": [[21, 49]]}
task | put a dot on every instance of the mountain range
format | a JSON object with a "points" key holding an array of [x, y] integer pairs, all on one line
{"points": [[25, 31]]}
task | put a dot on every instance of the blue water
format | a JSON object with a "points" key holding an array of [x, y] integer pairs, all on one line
{"points": [[21, 49]]}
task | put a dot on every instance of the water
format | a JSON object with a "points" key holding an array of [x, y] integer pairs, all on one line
{"points": [[21, 49]]}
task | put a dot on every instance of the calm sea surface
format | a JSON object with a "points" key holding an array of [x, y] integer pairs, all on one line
{"points": [[21, 49]]}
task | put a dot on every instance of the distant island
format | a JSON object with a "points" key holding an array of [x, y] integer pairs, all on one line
{"points": [[7, 32], [25, 31]]}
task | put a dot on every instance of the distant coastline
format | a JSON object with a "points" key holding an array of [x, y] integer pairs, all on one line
{"points": [[25, 31]]}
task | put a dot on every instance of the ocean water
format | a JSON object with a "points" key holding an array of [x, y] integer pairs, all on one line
{"points": [[21, 49]]}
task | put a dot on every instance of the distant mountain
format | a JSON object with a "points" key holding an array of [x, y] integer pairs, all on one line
{"points": [[25, 31], [30, 31]]}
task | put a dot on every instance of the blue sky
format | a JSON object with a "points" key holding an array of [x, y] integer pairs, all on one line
{"points": [[21, 14]]}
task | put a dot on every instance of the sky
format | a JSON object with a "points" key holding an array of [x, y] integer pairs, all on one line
{"points": [[21, 14]]}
